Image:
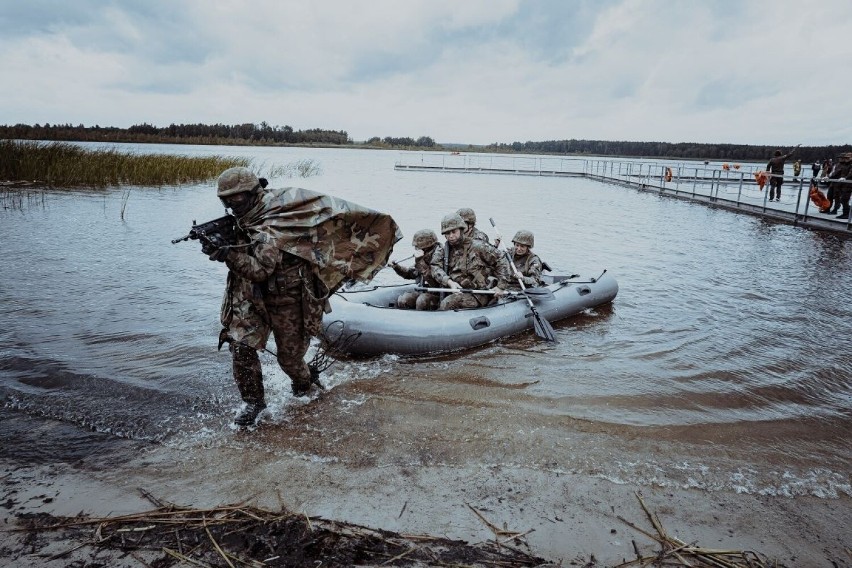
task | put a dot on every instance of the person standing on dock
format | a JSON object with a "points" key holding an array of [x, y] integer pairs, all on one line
{"points": [[775, 166], [842, 184]]}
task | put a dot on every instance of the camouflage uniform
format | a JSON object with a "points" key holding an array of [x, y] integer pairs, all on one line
{"points": [[476, 234], [472, 232], [293, 248], [422, 273], [469, 263], [268, 291], [842, 190], [530, 268]]}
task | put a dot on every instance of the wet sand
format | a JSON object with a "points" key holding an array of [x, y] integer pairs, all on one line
{"points": [[572, 516]]}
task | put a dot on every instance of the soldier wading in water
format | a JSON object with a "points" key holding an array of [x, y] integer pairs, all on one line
{"points": [[282, 269]]}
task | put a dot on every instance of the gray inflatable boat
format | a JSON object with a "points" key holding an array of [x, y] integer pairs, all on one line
{"points": [[367, 322]]}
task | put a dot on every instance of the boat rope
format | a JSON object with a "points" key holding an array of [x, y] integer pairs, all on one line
{"points": [[329, 350]]}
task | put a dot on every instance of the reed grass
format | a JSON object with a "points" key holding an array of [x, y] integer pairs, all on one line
{"points": [[300, 168], [65, 165]]}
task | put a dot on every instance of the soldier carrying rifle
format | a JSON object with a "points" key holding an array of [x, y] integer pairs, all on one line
{"points": [[290, 248]]}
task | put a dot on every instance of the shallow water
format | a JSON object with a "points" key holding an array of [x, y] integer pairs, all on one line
{"points": [[721, 364]]}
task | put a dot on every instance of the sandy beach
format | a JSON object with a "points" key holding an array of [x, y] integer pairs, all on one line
{"points": [[572, 519]]}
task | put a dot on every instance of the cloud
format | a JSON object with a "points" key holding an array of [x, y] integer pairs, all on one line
{"points": [[479, 71]]}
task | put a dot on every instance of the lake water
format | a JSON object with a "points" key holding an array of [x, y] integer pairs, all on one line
{"points": [[723, 364]]}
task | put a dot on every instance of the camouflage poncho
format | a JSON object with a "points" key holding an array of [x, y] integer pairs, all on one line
{"points": [[341, 239]]}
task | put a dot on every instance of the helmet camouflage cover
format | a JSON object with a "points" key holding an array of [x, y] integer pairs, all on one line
{"points": [[452, 221], [524, 238], [468, 215], [236, 180], [424, 238]]}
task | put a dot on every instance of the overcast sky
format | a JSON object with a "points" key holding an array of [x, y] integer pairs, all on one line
{"points": [[475, 71]]}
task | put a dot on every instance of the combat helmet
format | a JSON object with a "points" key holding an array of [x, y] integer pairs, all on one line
{"points": [[845, 158], [424, 238], [468, 215], [236, 180], [452, 221], [524, 238]]}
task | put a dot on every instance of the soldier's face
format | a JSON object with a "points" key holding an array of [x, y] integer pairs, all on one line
{"points": [[239, 203], [520, 249], [453, 236]]}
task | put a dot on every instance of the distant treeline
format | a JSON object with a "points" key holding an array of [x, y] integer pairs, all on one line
{"points": [[225, 134], [220, 134], [265, 134], [685, 150]]}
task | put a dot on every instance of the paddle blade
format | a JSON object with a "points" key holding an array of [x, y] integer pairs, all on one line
{"points": [[542, 328]]}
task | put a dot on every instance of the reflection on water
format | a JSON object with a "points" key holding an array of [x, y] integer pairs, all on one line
{"points": [[718, 366]]}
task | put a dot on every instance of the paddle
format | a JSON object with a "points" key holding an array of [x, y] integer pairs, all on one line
{"points": [[543, 294], [396, 262], [541, 326]]}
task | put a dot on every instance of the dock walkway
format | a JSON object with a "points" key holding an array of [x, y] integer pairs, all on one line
{"points": [[712, 185]]}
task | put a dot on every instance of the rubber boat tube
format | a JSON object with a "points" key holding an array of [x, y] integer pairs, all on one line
{"points": [[367, 322]]}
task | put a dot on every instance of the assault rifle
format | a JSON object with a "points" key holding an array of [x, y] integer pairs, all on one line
{"points": [[218, 232]]}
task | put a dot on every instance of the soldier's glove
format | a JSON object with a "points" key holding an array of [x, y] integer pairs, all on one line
{"points": [[211, 244], [220, 254], [418, 253], [454, 285], [400, 271]]}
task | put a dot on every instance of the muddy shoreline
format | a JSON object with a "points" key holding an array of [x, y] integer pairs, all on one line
{"points": [[570, 518]]}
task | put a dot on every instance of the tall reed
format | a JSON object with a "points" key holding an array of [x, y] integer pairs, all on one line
{"points": [[60, 164], [300, 168]]}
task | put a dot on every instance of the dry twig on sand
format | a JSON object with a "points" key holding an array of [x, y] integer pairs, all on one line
{"points": [[240, 535], [675, 552]]}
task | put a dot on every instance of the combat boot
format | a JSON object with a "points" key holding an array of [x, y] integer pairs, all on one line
{"points": [[249, 413], [301, 389]]}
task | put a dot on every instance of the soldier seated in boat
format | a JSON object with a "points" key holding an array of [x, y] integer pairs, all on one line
{"points": [[425, 242], [466, 263], [471, 231], [529, 265]]}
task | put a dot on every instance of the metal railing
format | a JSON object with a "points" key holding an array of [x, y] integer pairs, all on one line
{"points": [[737, 190], [717, 185], [491, 163]]}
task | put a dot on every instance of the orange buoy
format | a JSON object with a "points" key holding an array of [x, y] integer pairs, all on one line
{"points": [[819, 199]]}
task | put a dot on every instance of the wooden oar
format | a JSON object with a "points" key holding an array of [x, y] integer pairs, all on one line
{"points": [[541, 326], [543, 294]]}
